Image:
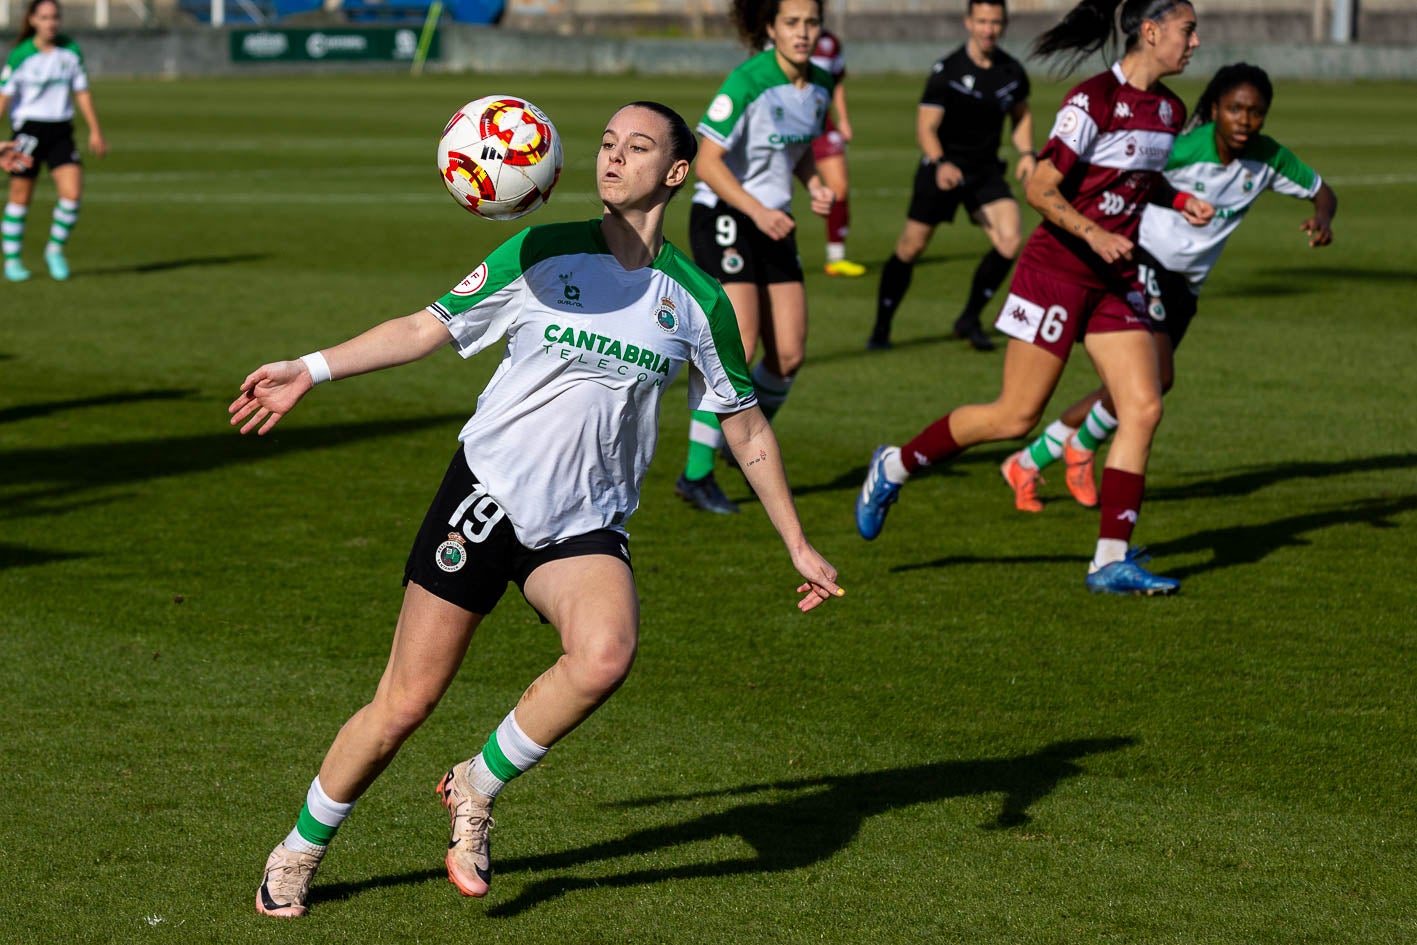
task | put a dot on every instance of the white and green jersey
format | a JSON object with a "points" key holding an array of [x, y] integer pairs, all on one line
{"points": [[1194, 167], [567, 426], [765, 124], [41, 85]]}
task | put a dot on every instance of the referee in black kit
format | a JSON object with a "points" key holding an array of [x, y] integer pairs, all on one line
{"points": [[958, 125]]}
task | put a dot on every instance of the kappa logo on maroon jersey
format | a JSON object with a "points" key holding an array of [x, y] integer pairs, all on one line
{"points": [[1080, 100], [1019, 315], [1123, 110]]}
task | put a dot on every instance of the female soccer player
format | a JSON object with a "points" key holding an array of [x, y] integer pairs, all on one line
{"points": [[757, 134], [829, 151], [958, 125], [1224, 156], [42, 81], [585, 384], [1102, 163]]}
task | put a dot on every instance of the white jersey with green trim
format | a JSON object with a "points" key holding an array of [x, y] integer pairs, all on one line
{"points": [[566, 428], [764, 124], [41, 85], [1194, 167]]}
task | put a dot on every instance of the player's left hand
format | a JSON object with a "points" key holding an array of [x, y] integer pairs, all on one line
{"points": [[821, 578], [1025, 167], [1197, 212], [822, 197], [843, 127], [1319, 230], [269, 392], [97, 146]]}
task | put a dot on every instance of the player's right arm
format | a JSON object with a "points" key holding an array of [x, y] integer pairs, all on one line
{"points": [[928, 119], [272, 390]]}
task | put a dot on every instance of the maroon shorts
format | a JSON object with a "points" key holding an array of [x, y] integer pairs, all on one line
{"points": [[831, 144], [1052, 313]]}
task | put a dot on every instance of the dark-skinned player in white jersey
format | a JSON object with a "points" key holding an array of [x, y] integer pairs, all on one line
{"points": [[959, 124]]}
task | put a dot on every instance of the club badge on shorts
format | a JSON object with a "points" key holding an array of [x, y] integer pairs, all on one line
{"points": [[732, 262], [451, 556]]}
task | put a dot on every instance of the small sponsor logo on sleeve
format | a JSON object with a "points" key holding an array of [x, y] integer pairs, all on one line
{"points": [[475, 280], [720, 108]]}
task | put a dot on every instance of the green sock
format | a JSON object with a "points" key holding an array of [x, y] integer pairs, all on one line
{"points": [[705, 438], [66, 214], [1096, 428], [1048, 448]]}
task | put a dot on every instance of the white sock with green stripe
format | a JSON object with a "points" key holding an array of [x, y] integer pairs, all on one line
{"points": [[12, 229], [508, 753], [772, 390], [1048, 448], [66, 214], [1096, 428], [319, 819]]}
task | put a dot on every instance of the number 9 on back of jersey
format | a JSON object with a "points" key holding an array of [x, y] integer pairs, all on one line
{"points": [[500, 157]]}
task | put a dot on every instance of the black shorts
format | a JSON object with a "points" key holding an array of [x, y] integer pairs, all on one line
{"points": [[48, 142], [730, 247], [932, 206], [1169, 299], [466, 550]]}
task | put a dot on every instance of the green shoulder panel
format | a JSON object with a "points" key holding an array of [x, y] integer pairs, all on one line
{"points": [[823, 78], [64, 42], [20, 53], [743, 85], [1196, 146], [723, 323], [505, 264], [1285, 163]]}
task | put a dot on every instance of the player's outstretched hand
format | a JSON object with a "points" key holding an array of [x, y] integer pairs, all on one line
{"points": [[269, 393], [1110, 246], [1197, 212], [821, 578], [1320, 231]]}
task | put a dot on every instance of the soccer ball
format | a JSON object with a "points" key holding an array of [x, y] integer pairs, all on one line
{"points": [[500, 157]]}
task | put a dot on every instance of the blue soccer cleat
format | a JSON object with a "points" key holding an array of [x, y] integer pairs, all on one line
{"points": [[877, 496], [58, 265], [1129, 577]]}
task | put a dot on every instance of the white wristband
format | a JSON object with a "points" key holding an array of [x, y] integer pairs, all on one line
{"points": [[318, 367]]}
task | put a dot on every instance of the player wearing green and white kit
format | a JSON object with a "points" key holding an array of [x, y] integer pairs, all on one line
{"points": [[757, 135], [43, 79], [1229, 163], [599, 318]]}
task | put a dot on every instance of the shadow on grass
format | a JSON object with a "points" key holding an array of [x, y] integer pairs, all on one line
{"points": [[21, 556], [167, 265], [30, 411], [818, 819], [1250, 481], [1250, 544], [851, 480], [54, 480]]}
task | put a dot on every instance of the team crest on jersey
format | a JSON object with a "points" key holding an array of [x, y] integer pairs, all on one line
{"points": [[1068, 122], [451, 555], [969, 82], [474, 281], [1164, 110], [732, 262], [1249, 183], [720, 108], [665, 318]]}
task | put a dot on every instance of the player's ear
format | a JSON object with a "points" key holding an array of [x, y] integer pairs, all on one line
{"points": [[677, 174]]}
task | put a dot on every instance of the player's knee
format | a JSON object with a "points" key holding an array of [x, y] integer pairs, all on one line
{"points": [[1146, 414], [602, 665], [399, 716], [787, 363]]}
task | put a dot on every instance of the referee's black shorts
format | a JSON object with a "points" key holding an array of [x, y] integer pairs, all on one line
{"points": [[981, 186]]}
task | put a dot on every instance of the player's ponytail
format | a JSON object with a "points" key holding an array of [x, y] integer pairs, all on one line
{"points": [[753, 17], [1226, 78], [1092, 25], [26, 27]]}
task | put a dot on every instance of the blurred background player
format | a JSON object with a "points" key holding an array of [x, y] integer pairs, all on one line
{"points": [[1223, 156], [829, 150], [756, 136], [507, 514], [42, 81], [1103, 162], [959, 124]]}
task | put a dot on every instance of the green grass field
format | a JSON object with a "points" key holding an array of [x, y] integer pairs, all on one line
{"points": [[967, 748]]}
